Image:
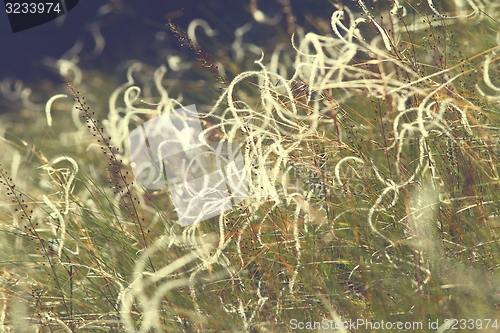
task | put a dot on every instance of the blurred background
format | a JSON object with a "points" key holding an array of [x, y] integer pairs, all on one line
{"points": [[130, 30]]}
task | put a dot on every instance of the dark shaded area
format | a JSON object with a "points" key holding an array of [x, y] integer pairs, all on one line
{"points": [[130, 29]]}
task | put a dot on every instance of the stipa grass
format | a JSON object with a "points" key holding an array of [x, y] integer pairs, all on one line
{"points": [[372, 170]]}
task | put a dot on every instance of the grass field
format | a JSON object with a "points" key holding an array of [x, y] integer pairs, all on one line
{"points": [[370, 141]]}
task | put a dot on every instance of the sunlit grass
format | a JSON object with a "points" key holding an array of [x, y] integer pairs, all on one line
{"points": [[371, 156]]}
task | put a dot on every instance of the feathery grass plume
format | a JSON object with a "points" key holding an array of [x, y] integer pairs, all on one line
{"points": [[24, 224], [203, 57], [370, 141]]}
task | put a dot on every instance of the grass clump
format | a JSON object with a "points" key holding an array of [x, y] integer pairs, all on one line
{"points": [[370, 147]]}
